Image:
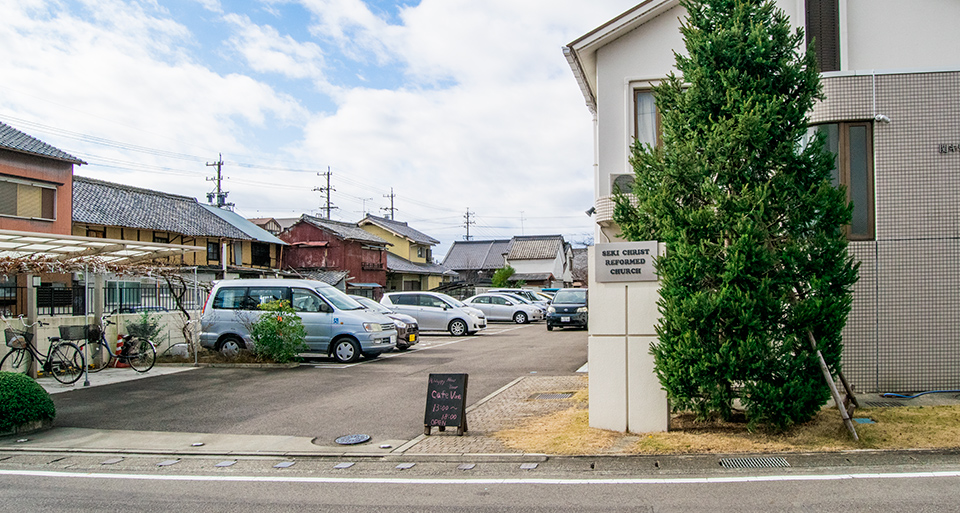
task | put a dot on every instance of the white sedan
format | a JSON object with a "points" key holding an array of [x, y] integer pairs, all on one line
{"points": [[502, 307]]}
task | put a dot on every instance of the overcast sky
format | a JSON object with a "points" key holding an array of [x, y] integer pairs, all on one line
{"points": [[454, 104]]}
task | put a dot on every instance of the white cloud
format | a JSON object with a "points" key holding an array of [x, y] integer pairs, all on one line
{"points": [[265, 50]]}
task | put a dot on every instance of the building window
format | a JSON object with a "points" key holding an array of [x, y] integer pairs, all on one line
{"points": [[646, 118], [823, 28], [851, 143], [99, 234], [260, 254], [213, 251], [19, 198], [420, 252], [162, 239]]}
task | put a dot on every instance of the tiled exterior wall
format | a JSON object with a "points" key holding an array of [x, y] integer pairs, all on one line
{"points": [[904, 331]]}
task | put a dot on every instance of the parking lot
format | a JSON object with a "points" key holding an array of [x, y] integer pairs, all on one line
{"points": [[383, 398]]}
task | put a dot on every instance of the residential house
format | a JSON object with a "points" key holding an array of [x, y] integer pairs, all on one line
{"points": [[410, 263], [236, 248], [890, 116], [267, 223], [475, 261], [325, 245], [543, 261]]}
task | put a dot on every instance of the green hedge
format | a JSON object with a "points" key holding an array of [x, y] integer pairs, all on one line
{"points": [[22, 400]]}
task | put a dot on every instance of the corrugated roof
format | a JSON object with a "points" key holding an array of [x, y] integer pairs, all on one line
{"points": [[349, 231], [476, 254], [15, 140], [399, 228], [329, 277], [536, 247], [113, 204], [401, 265]]}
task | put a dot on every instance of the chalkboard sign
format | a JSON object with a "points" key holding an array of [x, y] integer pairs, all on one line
{"points": [[446, 397]]}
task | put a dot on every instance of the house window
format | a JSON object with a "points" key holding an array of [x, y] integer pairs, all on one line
{"points": [[238, 253], [19, 198], [419, 251], [851, 143], [99, 234], [260, 254], [646, 118], [213, 251], [823, 28], [162, 239]]}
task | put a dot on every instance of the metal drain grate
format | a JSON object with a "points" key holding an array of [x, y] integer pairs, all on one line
{"points": [[554, 396], [772, 462], [880, 404]]}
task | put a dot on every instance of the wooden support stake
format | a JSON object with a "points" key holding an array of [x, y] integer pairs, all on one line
{"points": [[833, 388]]}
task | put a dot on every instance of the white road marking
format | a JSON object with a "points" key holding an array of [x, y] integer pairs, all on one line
{"points": [[466, 481], [418, 347]]}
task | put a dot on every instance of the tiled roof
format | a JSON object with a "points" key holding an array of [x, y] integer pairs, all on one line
{"points": [[245, 225], [348, 231], [113, 204], [401, 229], [531, 277], [15, 140], [476, 254], [401, 265], [536, 247]]}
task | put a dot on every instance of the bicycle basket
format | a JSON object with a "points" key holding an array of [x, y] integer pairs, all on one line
{"points": [[93, 333], [73, 332], [17, 339]]}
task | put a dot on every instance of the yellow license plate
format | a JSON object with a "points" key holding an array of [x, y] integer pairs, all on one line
{"points": [[412, 337]]}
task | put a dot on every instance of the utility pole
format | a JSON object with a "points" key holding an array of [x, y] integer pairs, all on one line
{"points": [[391, 209], [364, 208], [220, 195], [468, 222], [326, 190], [521, 223]]}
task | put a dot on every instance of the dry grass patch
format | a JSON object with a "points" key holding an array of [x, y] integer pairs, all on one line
{"points": [[568, 432]]}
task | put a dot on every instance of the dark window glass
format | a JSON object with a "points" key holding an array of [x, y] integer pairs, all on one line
{"points": [[851, 143], [823, 28], [213, 252], [229, 298], [260, 254]]}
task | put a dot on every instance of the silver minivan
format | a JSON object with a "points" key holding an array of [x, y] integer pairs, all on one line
{"points": [[437, 312], [335, 324]]}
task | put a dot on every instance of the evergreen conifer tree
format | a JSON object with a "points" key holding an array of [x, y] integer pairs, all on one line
{"points": [[756, 250]]}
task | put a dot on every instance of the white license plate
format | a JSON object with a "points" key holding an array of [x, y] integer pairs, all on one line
{"points": [[393, 339], [564, 319]]}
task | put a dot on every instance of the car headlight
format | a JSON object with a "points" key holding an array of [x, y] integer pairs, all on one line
{"points": [[372, 326], [582, 309], [400, 324], [551, 309]]}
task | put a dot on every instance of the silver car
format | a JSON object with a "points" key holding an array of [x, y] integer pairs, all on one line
{"points": [[335, 324], [503, 307], [437, 312]]}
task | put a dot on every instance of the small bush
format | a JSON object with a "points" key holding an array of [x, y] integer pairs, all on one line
{"points": [[279, 333], [147, 327], [22, 400]]}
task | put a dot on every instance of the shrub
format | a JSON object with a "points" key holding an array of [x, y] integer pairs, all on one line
{"points": [[279, 333], [22, 400], [147, 327]]}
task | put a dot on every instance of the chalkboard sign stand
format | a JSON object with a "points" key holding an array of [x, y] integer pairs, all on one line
{"points": [[446, 397]]}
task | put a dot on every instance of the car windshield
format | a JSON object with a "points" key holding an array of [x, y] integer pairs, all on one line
{"points": [[371, 304], [578, 296], [338, 299], [455, 302]]}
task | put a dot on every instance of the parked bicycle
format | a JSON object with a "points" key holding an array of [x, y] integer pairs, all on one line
{"points": [[139, 354], [64, 360]]}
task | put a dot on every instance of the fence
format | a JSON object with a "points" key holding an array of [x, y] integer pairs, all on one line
{"points": [[120, 296]]}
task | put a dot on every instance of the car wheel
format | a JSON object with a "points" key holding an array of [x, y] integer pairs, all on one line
{"points": [[346, 351], [549, 327], [457, 327], [230, 347], [520, 318]]}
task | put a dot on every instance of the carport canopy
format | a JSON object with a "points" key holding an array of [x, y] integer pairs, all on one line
{"points": [[64, 248]]}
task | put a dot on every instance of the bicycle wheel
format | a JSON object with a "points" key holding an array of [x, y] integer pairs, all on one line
{"points": [[141, 355], [100, 356], [65, 362], [16, 360]]}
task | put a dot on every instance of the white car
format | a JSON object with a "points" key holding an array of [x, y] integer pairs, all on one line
{"points": [[503, 307], [437, 312], [531, 295]]}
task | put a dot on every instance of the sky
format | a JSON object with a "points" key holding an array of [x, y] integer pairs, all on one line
{"points": [[452, 106]]}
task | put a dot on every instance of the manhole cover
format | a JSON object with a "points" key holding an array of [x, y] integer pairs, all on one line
{"points": [[551, 396], [774, 462], [352, 439], [881, 404]]}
